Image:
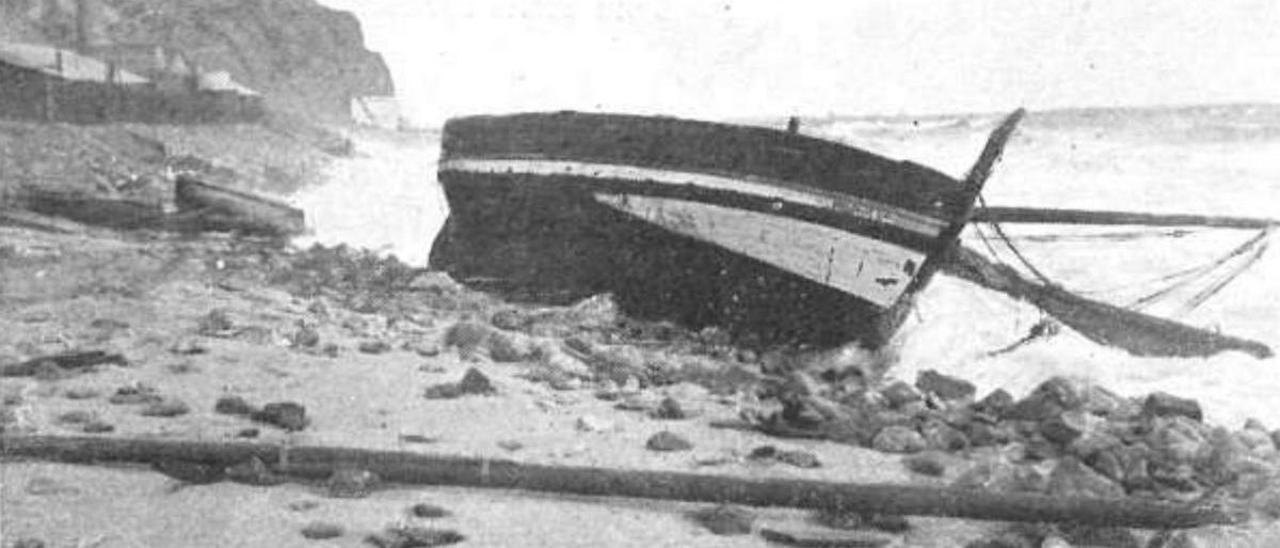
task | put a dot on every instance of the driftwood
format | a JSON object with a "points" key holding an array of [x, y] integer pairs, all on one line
{"points": [[70, 360], [419, 468], [204, 206]]}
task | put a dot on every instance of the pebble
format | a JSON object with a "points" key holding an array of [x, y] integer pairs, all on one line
{"points": [[303, 505], [928, 463], [425, 510], [98, 427], [287, 415], [1064, 428], [192, 472], [319, 530], [414, 537], [941, 436], [233, 405], [216, 323], [81, 393], [166, 408], [898, 439], [669, 408], [134, 394], [506, 347], [468, 336], [248, 433], [798, 458], [475, 382], [351, 483], [304, 337], [1161, 404], [725, 519], [668, 441], [374, 347], [944, 386], [188, 347], [590, 423], [78, 416]]}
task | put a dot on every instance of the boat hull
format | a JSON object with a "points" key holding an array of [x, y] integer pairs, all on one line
{"points": [[554, 216]]}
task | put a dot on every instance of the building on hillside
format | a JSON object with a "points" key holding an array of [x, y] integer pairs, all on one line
{"points": [[376, 110], [43, 82]]}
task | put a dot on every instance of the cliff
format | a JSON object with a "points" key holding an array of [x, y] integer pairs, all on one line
{"points": [[303, 57]]}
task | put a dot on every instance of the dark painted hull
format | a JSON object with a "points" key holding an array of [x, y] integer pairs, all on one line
{"points": [[558, 214]]}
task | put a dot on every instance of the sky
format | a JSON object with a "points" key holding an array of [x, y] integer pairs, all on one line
{"points": [[741, 58]]}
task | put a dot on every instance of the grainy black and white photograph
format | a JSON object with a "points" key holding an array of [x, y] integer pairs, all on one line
{"points": [[636, 273]]}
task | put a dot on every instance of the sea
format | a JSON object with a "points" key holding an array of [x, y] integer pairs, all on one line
{"points": [[1221, 160]]}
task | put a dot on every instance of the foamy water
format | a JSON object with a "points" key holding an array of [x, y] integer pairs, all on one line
{"points": [[388, 199]]}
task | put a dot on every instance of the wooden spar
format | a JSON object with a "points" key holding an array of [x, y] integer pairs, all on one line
{"points": [[420, 468], [1035, 215], [1136, 333]]}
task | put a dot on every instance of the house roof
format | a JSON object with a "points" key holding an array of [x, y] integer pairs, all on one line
{"points": [[74, 66]]}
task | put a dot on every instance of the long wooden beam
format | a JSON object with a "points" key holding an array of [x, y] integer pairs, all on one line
{"points": [[1037, 215], [420, 468]]}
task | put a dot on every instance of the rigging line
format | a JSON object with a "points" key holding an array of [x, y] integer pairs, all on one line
{"points": [[1000, 232], [1212, 290], [1195, 273], [1119, 236]]}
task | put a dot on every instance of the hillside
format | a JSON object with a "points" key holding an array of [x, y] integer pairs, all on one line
{"points": [[303, 57]]}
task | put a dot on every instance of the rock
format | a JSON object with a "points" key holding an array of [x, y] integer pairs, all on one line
{"points": [[98, 427], [304, 336], [928, 463], [475, 382], [725, 519], [233, 405], [1002, 540], [217, 323], [510, 319], [668, 441], [1072, 478], [982, 434], [1178, 438], [1097, 400], [1258, 441], [1161, 404], [188, 347], [1125, 464], [468, 337], [135, 394], [899, 394], [303, 505], [167, 409], [804, 535], [78, 416], [509, 348], [945, 387], [510, 445], [1054, 541], [798, 458], [374, 347], [248, 433], [669, 408], [589, 423], [84, 393], [319, 530], [995, 404], [941, 436], [287, 415], [1051, 398], [351, 483], [1067, 426], [29, 542], [425, 510], [414, 537], [899, 439]]}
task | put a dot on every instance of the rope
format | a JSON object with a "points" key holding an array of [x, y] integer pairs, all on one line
{"points": [[1194, 274], [1009, 244]]}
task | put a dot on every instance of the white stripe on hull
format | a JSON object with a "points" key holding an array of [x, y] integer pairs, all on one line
{"points": [[873, 270], [850, 205]]}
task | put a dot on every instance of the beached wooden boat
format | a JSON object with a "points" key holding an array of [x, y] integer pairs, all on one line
{"points": [[91, 209], [778, 237], [206, 206]]}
